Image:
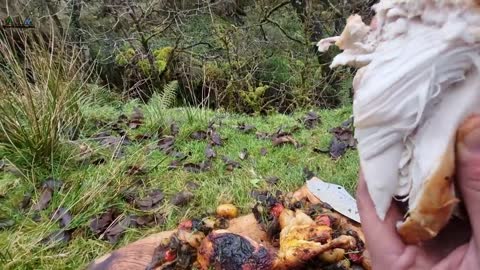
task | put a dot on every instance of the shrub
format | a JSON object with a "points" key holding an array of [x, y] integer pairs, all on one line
{"points": [[41, 88]]}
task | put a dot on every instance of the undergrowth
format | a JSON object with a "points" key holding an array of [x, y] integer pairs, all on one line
{"points": [[90, 189], [42, 89]]}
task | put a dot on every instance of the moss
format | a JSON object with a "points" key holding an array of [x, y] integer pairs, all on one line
{"points": [[125, 56], [254, 97], [163, 54], [144, 66], [213, 71], [160, 65]]}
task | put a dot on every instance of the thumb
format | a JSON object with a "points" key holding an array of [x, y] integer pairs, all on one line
{"points": [[468, 170]]}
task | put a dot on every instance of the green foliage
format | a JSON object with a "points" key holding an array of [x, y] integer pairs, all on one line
{"points": [[144, 66], [168, 95], [276, 69], [125, 56], [220, 53], [163, 53], [345, 91], [159, 103], [39, 107], [254, 97], [90, 190]]}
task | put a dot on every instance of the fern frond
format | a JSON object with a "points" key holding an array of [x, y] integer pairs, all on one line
{"points": [[169, 94]]}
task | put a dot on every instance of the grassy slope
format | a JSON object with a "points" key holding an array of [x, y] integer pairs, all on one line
{"points": [[91, 189]]}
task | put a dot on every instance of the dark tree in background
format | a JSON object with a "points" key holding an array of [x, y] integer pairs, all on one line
{"points": [[242, 55]]}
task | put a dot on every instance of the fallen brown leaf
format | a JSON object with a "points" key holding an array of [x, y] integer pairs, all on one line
{"points": [[192, 185], [100, 223], [63, 216], [342, 140], [151, 201], [182, 198], [166, 144], [174, 164], [147, 220], [245, 128], [311, 120], [26, 201], [284, 139], [61, 236], [272, 180], [48, 187], [210, 152], [142, 137], [230, 165], [117, 229], [215, 138], [197, 167], [199, 135]]}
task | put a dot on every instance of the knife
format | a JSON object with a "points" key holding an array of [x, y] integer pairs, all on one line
{"points": [[336, 196]]}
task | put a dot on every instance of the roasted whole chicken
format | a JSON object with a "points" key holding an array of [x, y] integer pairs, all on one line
{"points": [[304, 236]]}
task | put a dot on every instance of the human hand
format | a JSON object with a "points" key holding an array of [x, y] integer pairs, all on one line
{"points": [[457, 246]]}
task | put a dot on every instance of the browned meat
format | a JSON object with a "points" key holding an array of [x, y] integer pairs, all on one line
{"points": [[302, 240]]}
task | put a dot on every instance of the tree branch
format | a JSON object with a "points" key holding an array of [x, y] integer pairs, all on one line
{"points": [[277, 7], [285, 32]]}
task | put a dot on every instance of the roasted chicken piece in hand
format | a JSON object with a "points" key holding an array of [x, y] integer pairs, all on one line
{"points": [[302, 239], [224, 250]]}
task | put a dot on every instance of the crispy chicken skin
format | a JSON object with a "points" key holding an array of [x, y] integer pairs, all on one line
{"points": [[302, 239]]}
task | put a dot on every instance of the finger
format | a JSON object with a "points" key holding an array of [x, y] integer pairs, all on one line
{"points": [[468, 170], [381, 236], [455, 234]]}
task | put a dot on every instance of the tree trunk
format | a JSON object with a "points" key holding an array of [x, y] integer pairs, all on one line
{"points": [[75, 27]]}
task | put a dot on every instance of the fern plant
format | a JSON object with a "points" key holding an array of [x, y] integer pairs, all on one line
{"points": [[159, 103], [344, 91]]}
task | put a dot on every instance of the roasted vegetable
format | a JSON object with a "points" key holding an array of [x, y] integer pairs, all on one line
{"points": [[228, 211]]}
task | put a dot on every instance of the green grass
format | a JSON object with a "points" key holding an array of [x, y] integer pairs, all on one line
{"points": [[91, 189]]}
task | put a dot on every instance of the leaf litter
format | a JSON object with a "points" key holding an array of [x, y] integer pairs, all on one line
{"points": [[182, 198], [136, 119], [342, 140], [152, 200], [311, 120], [48, 188], [282, 138], [110, 225], [63, 216], [210, 152], [244, 128], [203, 166], [230, 164]]}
